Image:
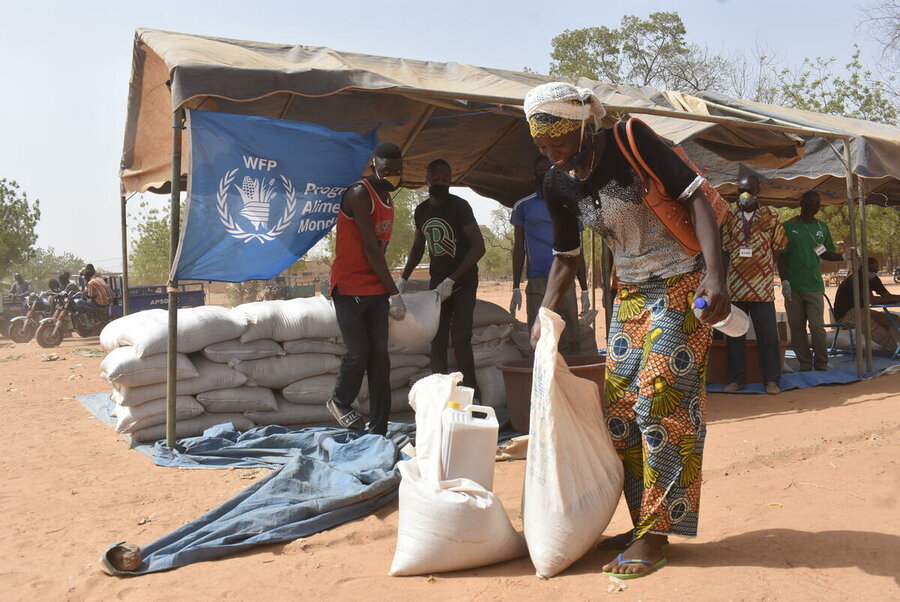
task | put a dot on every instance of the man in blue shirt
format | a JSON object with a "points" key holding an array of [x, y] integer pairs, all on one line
{"points": [[534, 237]]}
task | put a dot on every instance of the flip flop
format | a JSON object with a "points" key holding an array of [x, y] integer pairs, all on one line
{"points": [[350, 419], [650, 568]]}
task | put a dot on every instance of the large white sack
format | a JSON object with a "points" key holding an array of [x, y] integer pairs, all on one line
{"points": [[419, 325], [446, 525], [315, 346], [487, 313], [233, 350], [123, 367], [238, 399], [399, 402], [153, 412], [400, 376], [403, 360], [304, 318], [318, 389], [491, 386], [117, 333], [573, 476], [279, 372], [422, 373], [493, 332], [210, 375], [292, 413], [490, 353], [192, 427], [197, 328]]}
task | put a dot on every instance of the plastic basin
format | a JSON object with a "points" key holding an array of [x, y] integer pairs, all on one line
{"points": [[517, 376]]}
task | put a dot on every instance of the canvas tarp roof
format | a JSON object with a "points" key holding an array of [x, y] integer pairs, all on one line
{"points": [[874, 148], [470, 116]]}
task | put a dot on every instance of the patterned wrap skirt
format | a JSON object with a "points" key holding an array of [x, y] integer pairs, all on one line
{"points": [[655, 401]]}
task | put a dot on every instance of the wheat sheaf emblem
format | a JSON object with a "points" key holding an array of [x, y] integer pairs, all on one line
{"points": [[256, 195]]}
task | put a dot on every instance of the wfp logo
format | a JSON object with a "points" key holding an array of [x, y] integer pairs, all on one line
{"points": [[257, 196]]}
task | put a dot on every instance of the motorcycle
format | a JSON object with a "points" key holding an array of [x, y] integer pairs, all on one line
{"points": [[23, 328], [68, 317]]}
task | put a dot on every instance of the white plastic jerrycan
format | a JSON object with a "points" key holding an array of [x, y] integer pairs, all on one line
{"points": [[469, 443]]}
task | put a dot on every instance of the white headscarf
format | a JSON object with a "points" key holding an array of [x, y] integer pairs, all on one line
{"points": [[564, 100]]}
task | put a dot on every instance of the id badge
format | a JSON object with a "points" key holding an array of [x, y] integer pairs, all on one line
{"points": [[820, 250], [745, 252]]}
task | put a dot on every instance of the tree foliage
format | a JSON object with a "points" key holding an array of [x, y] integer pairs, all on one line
{"points": [[496, 263], [639, 52], [18, 219], [46, 263], [149, 256], [817, 86]]}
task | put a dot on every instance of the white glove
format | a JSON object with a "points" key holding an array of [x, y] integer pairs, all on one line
{"points": [[397, 307], [401, 284], [516, 301], [786, 289], [585, 302], [445, 289]]}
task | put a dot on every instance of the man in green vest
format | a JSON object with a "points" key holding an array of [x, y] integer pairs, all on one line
{"points": [[799, 266]]}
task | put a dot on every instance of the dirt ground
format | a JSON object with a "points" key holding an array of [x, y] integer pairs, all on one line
{"points": [[800, 502]]}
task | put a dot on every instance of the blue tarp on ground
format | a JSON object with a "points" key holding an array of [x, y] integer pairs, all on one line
{"points": [[842, 370], [329, 476]]}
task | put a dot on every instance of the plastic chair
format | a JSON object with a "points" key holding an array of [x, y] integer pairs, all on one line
{"points": [[838, 326]]}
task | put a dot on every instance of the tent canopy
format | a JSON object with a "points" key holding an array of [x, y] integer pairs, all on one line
{"points": [[874, 152], [469, 116]]}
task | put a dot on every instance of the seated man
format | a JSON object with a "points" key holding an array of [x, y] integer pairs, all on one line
{"points": [[98, 293], [883, 331], [20, 287]]}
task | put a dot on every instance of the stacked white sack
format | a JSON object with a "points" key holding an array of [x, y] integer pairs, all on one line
{"points": [[492, 345], [315, 360], [208, 392], [147, 331]]}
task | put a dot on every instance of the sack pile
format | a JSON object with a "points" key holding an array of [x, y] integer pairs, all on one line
{"points": [[261, 363]]}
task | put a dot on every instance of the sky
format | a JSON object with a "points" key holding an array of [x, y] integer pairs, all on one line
{"points": [[66, 65]]}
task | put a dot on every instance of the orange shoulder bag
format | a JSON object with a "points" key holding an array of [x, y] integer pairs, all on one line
{"points": [[674, 215]]}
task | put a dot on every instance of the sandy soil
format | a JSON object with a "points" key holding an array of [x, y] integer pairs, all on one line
{"points": [[800, 502]]}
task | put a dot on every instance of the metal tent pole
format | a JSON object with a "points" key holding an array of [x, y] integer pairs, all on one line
{"points": [[854, 259], [865, 318], [126, 300], [172, 288]]}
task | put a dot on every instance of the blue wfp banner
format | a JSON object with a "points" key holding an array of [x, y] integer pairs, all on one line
{"points": [[261, 193]]}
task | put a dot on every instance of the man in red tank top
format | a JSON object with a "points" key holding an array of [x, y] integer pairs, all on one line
{"points": [[364, 293]]}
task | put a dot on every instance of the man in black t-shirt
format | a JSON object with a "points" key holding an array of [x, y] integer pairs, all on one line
{"points": [[883, 330], [445, 223]]}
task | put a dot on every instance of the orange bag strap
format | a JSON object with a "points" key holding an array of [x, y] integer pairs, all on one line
{"points": [[627, 153], [629, 129]]}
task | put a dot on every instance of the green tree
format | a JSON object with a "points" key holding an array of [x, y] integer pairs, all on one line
{"points": [[816, 86], [45, 264], [496, 263], [649, 52], [405, 202], [18, 219], [149, 258]]}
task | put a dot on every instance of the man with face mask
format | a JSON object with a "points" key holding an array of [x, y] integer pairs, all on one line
{"points": [[752, 239], [533, 236], [883, 330], [799, 265], [363, 292], [445, 223]]}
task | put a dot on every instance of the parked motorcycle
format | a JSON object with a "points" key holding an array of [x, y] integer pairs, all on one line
{"points": [[23, 328], [68, 317]]}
